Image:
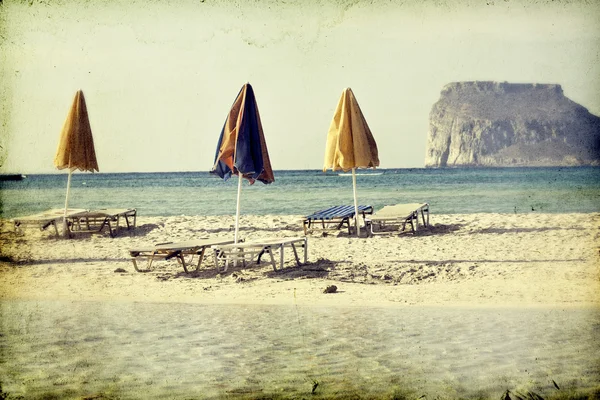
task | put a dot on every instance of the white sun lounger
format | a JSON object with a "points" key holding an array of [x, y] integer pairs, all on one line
{"points": [[45, 219], [95, 221], [399, 214], [233, 253], [179, 250]]}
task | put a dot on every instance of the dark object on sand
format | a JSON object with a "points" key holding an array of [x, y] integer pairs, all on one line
{"points": [[330, 289], [314, 386], [120, 270]]}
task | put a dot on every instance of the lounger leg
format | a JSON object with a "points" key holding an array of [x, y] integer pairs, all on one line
{"points": [[181, 258], [369, 228], [110, 229], [216, 257], [270, 250], [221, 255], [404, 225], [200, 258], [281, 250], [129, 224], [414, 220], [364, 221], [260, 256], [296, 254], [135, 264], [67, 226], [305, 250]]}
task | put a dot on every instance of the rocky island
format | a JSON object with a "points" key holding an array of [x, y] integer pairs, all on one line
{"points": [[507, 124]]}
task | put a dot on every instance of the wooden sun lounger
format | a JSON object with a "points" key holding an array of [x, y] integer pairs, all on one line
{"points": [[232, 253], [178, 250], [45, 219], [95, 221], [399, 214], [338, 215]]}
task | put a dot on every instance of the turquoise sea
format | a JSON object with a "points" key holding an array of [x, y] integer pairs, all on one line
{"points": [[460, 190]]}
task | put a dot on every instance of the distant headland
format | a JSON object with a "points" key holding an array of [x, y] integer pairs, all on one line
{"points": [[508, 124]]}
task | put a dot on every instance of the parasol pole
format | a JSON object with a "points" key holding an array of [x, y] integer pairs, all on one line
{"points": [[237, 211], [355, 202], [65, 234]]}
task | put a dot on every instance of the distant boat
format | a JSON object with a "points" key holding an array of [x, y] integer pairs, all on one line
{"points": [[11, 177], [360, 173]]}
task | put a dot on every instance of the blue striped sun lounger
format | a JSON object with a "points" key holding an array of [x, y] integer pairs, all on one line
{"points": [[338, 215]]}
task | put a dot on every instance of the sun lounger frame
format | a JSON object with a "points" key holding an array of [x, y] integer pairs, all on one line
{"points": [[177, 250], [95, 221], [46, 219], [245, 252], [338, 215], [409, 215]]}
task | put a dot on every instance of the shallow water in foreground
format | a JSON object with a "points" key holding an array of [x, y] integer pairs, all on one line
{"points": [[67, 349]]}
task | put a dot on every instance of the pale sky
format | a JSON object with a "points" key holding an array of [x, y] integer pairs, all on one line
{"points": [[159, 77]]}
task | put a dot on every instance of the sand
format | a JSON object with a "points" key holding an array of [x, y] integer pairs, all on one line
{"points": [[472, 307], [476, 260]]}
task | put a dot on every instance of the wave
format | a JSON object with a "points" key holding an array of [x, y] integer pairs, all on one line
{"points": [[362, 174]]}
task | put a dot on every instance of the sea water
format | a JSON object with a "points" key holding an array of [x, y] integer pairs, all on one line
{"points": [[460, 190]]}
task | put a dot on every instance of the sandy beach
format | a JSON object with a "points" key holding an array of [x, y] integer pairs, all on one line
{"points": [[476, 259], [472, 307]]}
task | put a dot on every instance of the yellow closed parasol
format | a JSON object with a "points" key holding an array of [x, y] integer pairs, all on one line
{"points": [[76, 145], [350, 143]]}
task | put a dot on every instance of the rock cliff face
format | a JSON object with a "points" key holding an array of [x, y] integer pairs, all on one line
{"points": [[504, 124]]}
